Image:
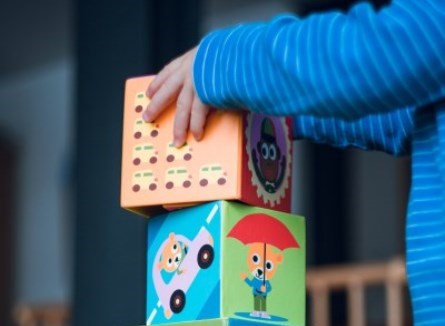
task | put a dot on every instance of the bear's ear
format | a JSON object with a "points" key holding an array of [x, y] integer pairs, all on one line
{"points": [[279, 258], [171, 236]]}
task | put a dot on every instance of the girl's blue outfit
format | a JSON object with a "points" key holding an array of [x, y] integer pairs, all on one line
{"points": [[369, 79]]}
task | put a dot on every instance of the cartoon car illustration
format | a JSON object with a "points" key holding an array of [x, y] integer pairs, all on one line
{"points": [[140, 102], [175, 177], [200, 255], [182, 153], [211, 174], [143, 180], [145, 129], [144, 153]]}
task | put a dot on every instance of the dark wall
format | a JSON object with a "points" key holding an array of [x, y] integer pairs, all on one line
{"points": [[309, 6], [115, 40], [109, 244], [8, 181]]}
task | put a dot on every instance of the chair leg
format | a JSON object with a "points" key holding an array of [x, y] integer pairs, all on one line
{"points": [[320, 306]]}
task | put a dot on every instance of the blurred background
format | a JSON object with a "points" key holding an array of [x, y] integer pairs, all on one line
{"points": [[64, 240]]}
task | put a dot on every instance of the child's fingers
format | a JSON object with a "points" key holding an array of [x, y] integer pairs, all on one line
{"points": [[162, 76], [163, 98], [198, 118], [182, 115]]}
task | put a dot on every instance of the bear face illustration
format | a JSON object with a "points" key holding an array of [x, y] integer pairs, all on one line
{"points": [[259, 267], [173, 254]]}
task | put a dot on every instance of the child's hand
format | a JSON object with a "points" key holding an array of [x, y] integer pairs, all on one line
{"points": [[174, 83]]}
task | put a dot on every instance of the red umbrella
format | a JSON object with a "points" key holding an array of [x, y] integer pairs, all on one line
{"points": [[260, 227]]}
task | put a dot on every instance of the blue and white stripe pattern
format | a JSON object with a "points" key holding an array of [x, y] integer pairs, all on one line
{"points": [[373, 80], [389, 132]]}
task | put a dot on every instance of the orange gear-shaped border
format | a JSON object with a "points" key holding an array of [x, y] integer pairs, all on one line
{"points": [[271, 198]]}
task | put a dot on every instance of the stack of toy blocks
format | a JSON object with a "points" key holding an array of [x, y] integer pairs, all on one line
{"points": [[222, 246]]}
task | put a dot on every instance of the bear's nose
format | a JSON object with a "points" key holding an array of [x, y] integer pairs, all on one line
{"points": [[259, 272], [177, 259]]}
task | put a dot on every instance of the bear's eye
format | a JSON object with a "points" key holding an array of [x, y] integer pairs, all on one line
{"points": [[256, 259], [175, 248], [269, 265], [169, 262], [265, 151], [272, 152]]}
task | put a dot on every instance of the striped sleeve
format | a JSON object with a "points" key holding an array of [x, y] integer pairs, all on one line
{"points": [[330, 65], [388, 132]]}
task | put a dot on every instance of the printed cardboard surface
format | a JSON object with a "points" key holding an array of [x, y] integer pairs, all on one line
{"points": [[249, 235], [156, 173], [267, 162], [242, 156], [226, 260], [183, 273]]}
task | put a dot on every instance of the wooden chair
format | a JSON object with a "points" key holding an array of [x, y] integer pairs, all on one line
{"points": [[42, 315], [354, 279], [320, 282]]}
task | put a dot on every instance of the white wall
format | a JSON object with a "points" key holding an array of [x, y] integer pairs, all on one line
{"points": [[35, 108]]}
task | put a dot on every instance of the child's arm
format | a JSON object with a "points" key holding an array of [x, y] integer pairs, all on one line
{"points": [[330, 65], [388, 132]]}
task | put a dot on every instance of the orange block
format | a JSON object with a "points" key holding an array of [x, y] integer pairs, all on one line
{"points": [[243, 156]]}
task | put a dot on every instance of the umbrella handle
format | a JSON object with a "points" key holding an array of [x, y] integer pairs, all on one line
{"points": [[264, 264]]}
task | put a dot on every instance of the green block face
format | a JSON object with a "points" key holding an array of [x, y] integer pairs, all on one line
{"points": [[225, 261], [263, 264]]}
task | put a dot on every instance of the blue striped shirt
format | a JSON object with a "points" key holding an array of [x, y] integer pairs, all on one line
{"points": [[373, 80]]}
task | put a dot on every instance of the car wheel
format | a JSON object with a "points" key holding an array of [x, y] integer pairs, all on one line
{"points": [[137, 135], [187, 156], [152, 186], [138, 109], [170, 158], [136, 188], [221, 181], [205, 256], [137, 161], [154, 133], [203, 182], [153, 159], [177, 301], [186, 184], [169, 185]]}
